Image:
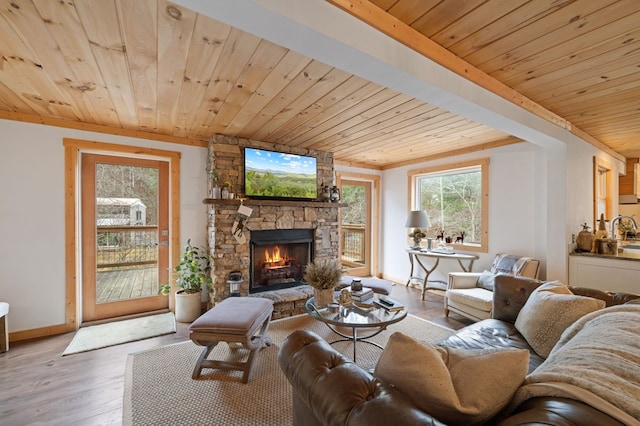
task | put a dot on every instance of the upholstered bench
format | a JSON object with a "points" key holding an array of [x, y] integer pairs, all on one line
{"points": [[234, 320], [378, 285]]}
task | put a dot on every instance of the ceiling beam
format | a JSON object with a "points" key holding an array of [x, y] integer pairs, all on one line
{"points": [[403, 33], [320, 30], [379, 19]]}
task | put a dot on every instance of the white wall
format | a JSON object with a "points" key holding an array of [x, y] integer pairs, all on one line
{"points": [[32, 245], [539, 194], [512, 209]]}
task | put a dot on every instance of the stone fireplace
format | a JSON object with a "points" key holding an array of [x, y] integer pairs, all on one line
{"points": [[315, 222]]}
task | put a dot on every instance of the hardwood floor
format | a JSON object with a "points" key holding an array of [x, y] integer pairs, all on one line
{"points": [[39, 386]]}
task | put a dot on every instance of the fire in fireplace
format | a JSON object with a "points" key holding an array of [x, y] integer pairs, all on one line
{"points": [[279, 258]]}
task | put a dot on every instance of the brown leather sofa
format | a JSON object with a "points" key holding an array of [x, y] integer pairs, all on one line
{"points": [[329, 389]]}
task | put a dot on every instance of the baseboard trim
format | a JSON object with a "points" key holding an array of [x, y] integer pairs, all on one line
{"points": [[35, 333]]}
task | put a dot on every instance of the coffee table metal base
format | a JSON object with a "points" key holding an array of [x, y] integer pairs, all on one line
{"points": [[364, 323], [355, 338]]}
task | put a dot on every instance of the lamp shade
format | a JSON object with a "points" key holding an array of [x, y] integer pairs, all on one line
{"points": [[417, 219]]}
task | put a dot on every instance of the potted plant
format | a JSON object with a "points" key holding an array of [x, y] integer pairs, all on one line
{"points": [[323, 277], [193, 273], [626, 229]]}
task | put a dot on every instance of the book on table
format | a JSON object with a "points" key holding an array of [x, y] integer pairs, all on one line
{"points": [[388, 304], [361, 295]]}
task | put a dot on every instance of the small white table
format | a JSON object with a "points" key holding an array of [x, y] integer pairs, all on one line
{"points": [[420, 257]]}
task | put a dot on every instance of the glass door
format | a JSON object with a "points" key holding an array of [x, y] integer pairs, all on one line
{"points": [[125, 235], [355, 227]]}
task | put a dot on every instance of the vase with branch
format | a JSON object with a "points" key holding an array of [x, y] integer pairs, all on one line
{"points": [[226, 189], [323, 276], [215, 189]]}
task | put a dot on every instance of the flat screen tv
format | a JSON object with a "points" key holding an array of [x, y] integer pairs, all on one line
{"points": [[279, 175]]}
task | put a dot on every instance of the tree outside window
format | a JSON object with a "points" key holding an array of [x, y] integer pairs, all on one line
{"points": [[455, 199]]}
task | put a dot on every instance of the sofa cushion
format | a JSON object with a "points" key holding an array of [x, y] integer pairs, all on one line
{"points": [[478, 298], [609, 297], [456, 386], [486, 280], [510, 294], [550, 309], [491, 333]]}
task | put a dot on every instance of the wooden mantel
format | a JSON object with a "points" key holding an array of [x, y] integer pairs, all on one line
{"points": [[254, 202]]}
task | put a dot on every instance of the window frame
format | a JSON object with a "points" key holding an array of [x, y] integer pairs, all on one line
{"points": [[483, 164], [602, 190]]}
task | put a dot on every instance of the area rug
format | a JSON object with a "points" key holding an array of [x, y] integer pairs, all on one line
{"points": [[118, 332], [159, 389]]}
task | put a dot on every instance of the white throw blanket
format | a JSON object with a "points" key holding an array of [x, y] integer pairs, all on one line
{"points": [[596, 361]]}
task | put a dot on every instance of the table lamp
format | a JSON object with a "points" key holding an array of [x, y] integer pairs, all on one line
{"points": [[417, 219]]}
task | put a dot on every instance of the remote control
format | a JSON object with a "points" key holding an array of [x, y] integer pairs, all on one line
{"points": [[386, 301]]}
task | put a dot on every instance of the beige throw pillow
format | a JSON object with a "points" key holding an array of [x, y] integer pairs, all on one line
{"points": [[550, 309], [456, 386]]}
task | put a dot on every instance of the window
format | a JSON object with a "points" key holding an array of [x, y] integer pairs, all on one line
{"points": [[455, 197], [602, 191]]}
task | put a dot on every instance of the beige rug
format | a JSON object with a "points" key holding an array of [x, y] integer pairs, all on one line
{"points": [[118, 332], [159, 389]]}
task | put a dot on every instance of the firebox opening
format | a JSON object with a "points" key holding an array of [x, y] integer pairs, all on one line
{"points": [[279, 258]]}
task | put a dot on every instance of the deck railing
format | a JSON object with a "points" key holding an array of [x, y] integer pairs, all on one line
{"points": [[124, 246], [353, 244]]}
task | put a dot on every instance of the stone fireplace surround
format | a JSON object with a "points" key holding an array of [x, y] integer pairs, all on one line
{"points": [[225, 157]]}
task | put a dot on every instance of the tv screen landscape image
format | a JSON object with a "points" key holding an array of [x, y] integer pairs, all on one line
{"points": [[279, 175]]}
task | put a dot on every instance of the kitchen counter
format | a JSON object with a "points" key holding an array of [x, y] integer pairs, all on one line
{"points": [[605, 271], [633, 255]]}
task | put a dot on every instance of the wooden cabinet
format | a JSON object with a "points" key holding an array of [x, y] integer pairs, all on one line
{"points": [[605, 273], [629, 185]]}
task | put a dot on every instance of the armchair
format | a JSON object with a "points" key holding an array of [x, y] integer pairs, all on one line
{"points": [[470, 294]]}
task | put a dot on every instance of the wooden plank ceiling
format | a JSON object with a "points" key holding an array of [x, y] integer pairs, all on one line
{"points": [[153, 67]]}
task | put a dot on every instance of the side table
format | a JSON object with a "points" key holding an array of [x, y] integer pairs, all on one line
{"points": [[420, 258]]}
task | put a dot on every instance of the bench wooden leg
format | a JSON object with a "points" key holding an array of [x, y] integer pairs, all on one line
{"points": [[255, 344], [202, 360]]}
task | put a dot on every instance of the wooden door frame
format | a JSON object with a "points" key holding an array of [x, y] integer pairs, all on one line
{"points": [[92, 310], [375, 213], [72, 149]]}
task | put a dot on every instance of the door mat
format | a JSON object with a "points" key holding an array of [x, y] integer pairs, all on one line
{"points": [[118, 332]]}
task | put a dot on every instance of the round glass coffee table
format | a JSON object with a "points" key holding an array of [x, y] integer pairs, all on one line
{"points": [[363, 322]]}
